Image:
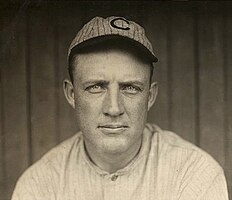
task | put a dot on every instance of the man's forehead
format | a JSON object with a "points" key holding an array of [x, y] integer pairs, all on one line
{"points": [[110, 65]]}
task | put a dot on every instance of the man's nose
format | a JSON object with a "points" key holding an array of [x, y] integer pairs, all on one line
{"points": [[113, 103]]}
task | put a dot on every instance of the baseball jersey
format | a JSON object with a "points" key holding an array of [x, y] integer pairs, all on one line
{"points": [[166, 168]]}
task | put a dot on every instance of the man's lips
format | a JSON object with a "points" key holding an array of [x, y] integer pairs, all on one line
{"points": [[113, 128]]}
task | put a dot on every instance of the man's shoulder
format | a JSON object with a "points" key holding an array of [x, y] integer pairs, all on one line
{"points": [[63, 148], [173, 145], [53, 159], [44, 175], [57, 154], [192, 169]]}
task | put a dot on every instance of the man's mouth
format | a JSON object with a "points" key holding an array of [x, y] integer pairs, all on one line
{"points": [[113, 128]]}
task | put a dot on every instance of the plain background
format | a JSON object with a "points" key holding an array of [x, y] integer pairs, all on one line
{"points": [[193, 41]]}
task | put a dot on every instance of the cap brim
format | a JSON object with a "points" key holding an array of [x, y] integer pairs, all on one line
{"points": [[99, 39]]}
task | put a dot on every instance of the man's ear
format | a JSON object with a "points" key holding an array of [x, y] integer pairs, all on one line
{"points": [[69, 92], [153, 91]]}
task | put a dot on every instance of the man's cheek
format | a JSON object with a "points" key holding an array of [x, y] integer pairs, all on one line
{"points": [[136, 108], [88, 110]]}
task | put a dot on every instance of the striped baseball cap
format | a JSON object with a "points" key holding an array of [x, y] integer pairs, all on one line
{"points": [[100, 29]]}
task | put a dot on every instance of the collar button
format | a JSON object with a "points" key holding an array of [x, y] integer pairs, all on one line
{"points": [[114, 177]]}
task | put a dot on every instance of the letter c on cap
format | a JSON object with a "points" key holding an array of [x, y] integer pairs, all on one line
{"points": [[112, 23]]}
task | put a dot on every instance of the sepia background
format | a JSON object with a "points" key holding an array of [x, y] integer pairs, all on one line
{"points": [[193, 41]]}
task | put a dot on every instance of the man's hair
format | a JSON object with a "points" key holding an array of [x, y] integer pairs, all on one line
{"points": [[108, 44]]}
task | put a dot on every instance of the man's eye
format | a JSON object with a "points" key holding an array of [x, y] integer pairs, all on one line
{"points": [[94, 89], [131, 89]]}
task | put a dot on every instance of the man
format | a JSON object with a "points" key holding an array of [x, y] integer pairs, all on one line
{"points": [[117, 155]]}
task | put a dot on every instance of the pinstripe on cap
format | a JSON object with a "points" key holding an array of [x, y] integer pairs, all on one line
{"points": [[100, 28]]}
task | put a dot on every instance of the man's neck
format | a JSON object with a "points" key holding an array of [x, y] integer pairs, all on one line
{"points": [[112, 162]]}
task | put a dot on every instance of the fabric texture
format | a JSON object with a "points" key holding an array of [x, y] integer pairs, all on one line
{"points": [[166, 168]]}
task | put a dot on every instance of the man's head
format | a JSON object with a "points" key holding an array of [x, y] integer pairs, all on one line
{"points": [[111, 92]]}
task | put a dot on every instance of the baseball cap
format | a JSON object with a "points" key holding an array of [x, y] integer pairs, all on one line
{"points": [[101, 29]]}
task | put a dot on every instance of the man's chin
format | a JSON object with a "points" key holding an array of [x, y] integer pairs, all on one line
{"points": [[119, 145]]}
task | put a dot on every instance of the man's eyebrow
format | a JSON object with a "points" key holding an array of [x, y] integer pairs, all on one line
{"points": [[136, 82], [93, 81], [100, 81]]}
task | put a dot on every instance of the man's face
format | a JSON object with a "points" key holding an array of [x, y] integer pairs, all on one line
{"points": [[112, 96]]}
